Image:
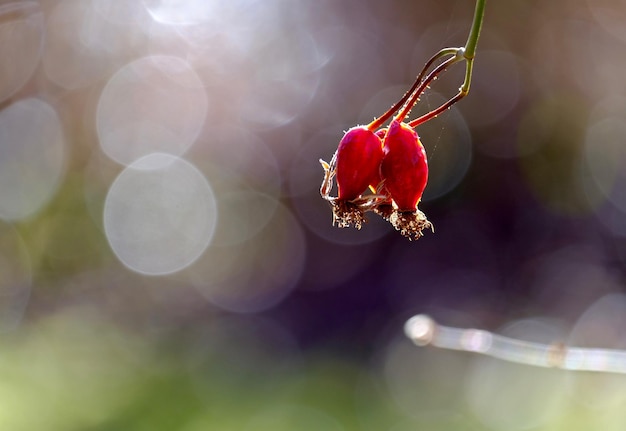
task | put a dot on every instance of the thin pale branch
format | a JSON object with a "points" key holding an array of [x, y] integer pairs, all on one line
{"points": [[423, 330]]}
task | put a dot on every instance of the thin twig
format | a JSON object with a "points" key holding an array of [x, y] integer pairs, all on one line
{"points": [[423, 330]]}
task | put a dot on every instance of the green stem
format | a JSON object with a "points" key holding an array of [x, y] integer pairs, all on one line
{"points": [[466, 53], [411, 97], [472, 41]]}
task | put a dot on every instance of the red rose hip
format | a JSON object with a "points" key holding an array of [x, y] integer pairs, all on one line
{"points": [[404, 166], [359, 155]]}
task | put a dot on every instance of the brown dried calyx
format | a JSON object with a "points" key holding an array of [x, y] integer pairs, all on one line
{"points": [[410, 224]]}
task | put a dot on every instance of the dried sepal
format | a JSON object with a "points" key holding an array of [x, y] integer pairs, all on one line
{"points": [[330, 170], [346, 213], [410, 224]]}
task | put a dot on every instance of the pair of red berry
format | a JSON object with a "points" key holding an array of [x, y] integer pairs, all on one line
{"points": [[390, 161]]}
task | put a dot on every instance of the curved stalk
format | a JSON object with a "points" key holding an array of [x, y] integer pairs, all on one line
{"points": [[381, 120], [467, 53]]}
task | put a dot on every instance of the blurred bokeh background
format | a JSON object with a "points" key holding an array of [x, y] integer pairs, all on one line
{"points": [[166, 262]]}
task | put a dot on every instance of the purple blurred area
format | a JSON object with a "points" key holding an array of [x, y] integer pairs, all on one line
{"points": [[160, 206]]}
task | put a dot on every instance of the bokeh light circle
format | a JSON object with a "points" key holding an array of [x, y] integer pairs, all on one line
{"points": [[32, 157], [16, 279], [494, 95], [153, 104], [601, 327], [408, 370], [83, 46], [610, 14], [256, 274], [605, 154], [550, 137], [21, 44], [448, 144], [241, 158], [281, 88], [130, 13], [495, 387], [160, 215], [183, 12], [243, 214]]}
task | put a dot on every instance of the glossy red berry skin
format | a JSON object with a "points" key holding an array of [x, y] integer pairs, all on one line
{"points": [[404, 166], [359, 156]]}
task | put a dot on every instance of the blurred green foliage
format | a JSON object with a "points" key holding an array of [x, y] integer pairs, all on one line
{"points": [[526, 197]]}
